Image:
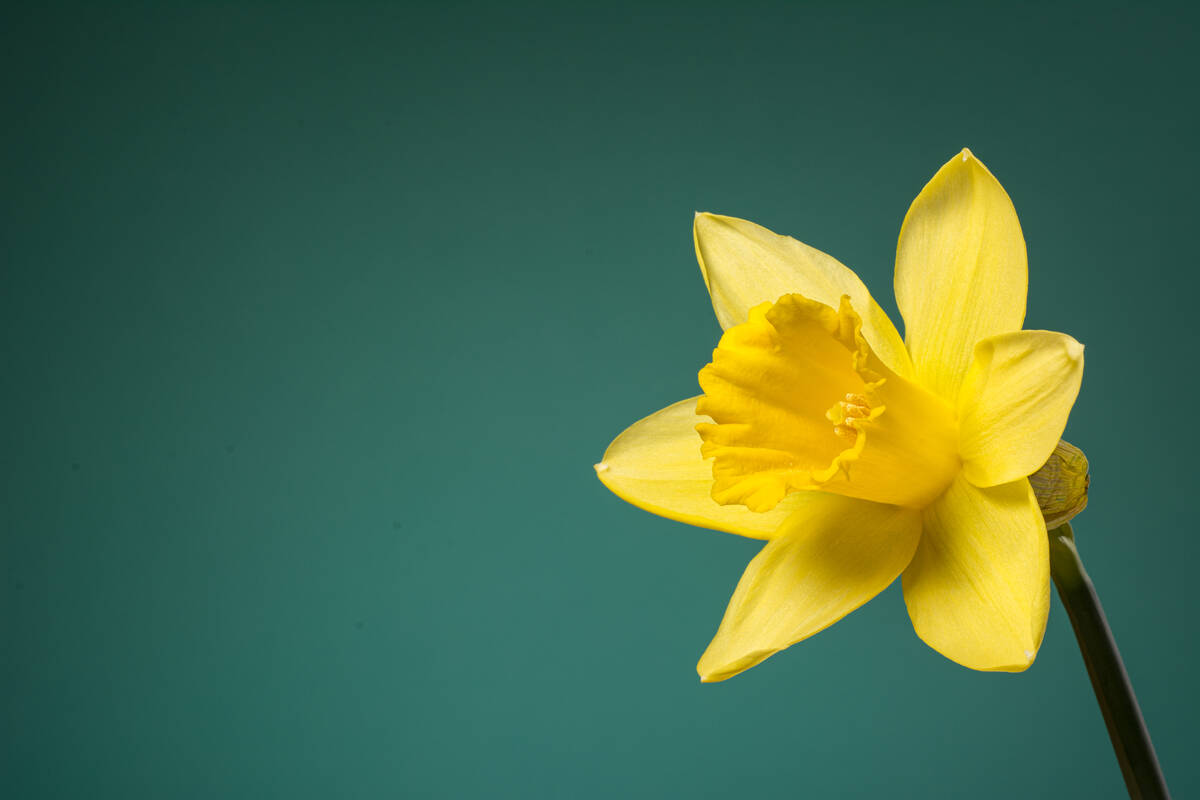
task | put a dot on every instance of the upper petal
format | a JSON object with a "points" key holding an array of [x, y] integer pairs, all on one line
{"points": [[831, 556], [656, 465], [745, 264], [1014, 403], [978, 589], [961, 272]]}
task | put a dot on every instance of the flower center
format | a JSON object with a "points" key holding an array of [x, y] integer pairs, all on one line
{"points": [[844, 415], [799, 401]]}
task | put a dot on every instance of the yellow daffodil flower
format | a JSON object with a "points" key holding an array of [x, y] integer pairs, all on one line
{"points": [[860, 456]]}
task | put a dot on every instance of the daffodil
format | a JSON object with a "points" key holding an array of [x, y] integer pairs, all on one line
{"points": [[861, 456]]}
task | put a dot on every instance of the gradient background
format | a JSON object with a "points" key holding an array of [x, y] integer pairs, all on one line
{"points": [[313, 321]]}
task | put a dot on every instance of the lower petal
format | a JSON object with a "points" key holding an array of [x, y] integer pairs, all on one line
{"points": [[832, 555], [978, 589]]}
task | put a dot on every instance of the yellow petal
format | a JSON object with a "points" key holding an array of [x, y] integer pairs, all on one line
{"points": [[799, 401], [961, 272], [656, 465], [831, 556], [978, 589], [745, 264], [1014, 403]]}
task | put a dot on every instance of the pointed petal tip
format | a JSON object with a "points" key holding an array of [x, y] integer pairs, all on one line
{"points": [[710, 674], [967, 155], [1018, 665], [601, 467], [715, 666], [1015, 662], [1074, 349]]}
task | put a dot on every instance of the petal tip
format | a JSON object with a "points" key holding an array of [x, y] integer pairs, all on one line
{"points": [[1018, 664], [705, 224], [713, 674], [1074, 349], [601, 467], [967, 154]]}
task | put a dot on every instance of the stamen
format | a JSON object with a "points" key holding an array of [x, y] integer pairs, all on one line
{"points": [[845, 431], [855, 406], [846, 413]]}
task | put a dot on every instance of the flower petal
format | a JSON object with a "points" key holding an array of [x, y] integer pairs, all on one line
{"points": [[1014, 403], [831, 556], [656, 465], [745, 264], [978, 589], [961, 272]]}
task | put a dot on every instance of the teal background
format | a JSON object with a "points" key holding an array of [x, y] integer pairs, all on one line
{"points": [[314, 319]]}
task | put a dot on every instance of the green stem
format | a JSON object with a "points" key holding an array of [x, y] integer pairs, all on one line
{"points": [[1114, 693]]}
